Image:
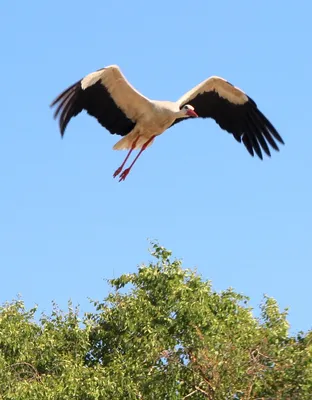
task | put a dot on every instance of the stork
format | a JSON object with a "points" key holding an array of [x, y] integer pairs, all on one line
{"points": [[107, 95]]}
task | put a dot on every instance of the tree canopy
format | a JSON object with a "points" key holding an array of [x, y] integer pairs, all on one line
{"points": [[161, 333]]}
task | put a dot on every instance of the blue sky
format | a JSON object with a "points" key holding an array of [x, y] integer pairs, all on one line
{"points": [[66, 224]]}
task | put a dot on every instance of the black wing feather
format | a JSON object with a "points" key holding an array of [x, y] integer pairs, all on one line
{"points": [[244, 121], [98, 103], [252, 127]]}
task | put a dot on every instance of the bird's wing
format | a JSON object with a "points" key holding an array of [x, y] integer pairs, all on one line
{"points": [[106, 95], [235, 112]]}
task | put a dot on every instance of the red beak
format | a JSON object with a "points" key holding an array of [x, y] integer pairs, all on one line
{"points": [[191, 113]]}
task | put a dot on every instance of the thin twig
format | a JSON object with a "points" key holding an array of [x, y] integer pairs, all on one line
{"points": [[190, 394], [202, 391], [36, 373]]}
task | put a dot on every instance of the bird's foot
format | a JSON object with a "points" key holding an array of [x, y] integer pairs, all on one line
{"points": [[117, 172], [124, 175]]}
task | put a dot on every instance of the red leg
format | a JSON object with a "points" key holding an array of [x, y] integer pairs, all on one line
{"points": [[123, 176], [118, 170]]}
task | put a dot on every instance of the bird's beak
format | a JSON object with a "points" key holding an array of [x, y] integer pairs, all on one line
{"points": [[191, 113]]}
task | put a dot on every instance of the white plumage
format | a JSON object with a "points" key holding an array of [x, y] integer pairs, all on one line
{"points": [[121, 109]]}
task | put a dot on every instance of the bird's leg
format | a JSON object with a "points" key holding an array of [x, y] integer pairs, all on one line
{"points": [[118, 170], [126, 171]]}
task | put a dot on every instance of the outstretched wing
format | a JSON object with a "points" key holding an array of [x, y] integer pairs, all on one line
{"points": [[105, 95], [235, 112]]}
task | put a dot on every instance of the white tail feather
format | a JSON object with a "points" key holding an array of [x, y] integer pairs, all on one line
{"points": [[126, 142]]}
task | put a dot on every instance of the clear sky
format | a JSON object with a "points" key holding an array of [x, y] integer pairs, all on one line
{"points": [[66, 224]]}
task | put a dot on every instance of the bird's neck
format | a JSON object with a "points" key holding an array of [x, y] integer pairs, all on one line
{"points": [[180, 114]]}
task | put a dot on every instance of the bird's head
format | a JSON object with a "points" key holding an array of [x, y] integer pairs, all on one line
{"points": [[188, 111]]}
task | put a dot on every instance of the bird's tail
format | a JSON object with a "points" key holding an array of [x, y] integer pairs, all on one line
{"points": [[127, 142]]}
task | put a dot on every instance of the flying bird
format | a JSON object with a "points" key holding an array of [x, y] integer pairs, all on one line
{"points": [[107, 95]]}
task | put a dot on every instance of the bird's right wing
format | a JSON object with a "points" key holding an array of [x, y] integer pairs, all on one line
{"points": [[235, 112], [106, 95]]}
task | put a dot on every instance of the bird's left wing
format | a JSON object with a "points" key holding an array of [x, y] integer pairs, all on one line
{"points": [[235, 112], [108, 96]]}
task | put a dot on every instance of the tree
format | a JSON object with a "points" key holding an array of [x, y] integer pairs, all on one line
{"points": [[167, 336]]}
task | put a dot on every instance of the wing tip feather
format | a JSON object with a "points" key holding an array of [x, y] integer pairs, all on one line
{"points": [[66, 102]]}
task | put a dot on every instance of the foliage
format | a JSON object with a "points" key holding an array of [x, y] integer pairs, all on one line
{"points": [[167, 336]]}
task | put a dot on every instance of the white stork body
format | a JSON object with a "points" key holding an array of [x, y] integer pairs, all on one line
{"points": [[158, 116], [122, 110]]}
